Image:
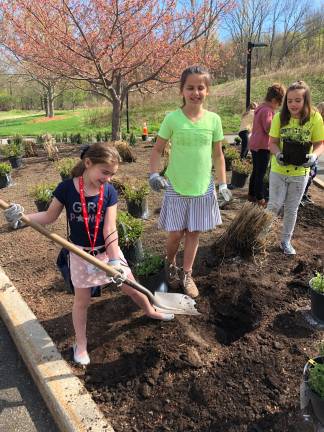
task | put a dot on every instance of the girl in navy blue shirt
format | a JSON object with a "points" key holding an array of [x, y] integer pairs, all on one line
{"points": [[91, 206]]}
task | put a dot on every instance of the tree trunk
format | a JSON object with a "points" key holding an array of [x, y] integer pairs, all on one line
{"points": [[46, 107], [50, 98], [115, 121]]}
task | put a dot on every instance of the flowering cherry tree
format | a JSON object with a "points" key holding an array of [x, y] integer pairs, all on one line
{"points": [[116, 46]]}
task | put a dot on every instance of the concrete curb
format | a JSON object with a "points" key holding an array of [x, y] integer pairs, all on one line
{"points": [[318, 182], [70, 404]]}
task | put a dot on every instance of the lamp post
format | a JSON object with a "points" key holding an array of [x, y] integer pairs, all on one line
{"points": [[251, 45]]}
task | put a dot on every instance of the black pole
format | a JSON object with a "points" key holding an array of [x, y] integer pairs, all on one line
{"points": [[248, 75], [127, 113]]}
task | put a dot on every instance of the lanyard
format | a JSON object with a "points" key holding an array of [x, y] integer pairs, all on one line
{"points": [[85, 212]]}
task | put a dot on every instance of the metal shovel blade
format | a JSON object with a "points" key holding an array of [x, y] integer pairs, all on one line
{"points": [[178, 304]]}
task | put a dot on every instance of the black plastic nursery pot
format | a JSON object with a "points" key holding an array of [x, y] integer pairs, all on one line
{"points": [[133, 252], [155, 282], [4, 180], [144, 137], [42, 205], [15, 161], [317, 303], [138, 210], [316, 401], [238, 179]]}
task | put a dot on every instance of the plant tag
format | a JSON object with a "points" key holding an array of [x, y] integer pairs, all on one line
{"points": [[91, 269], [304, 395]]}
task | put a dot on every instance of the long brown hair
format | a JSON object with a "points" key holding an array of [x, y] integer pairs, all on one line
{"points": [[306, 110], [98, 153]]}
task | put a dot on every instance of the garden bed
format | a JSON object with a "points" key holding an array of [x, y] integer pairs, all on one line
{"points": [[235, 368]]}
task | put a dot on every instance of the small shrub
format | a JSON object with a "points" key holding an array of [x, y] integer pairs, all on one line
{"points": [[124, 136], [65, 165], [13, 150], [231, 153], [150, 264], [64, 137], [43, 192], [317, 283], [136, 192], [242, 166], [129, 229], [5, 168], [99, 136], [237, 140]]}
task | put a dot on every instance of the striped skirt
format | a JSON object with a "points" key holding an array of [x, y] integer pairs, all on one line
{"points": [[181, 212]]}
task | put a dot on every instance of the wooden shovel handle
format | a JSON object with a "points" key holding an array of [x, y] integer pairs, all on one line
{"points": [[81, 253]]}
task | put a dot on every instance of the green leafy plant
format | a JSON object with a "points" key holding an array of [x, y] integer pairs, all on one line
{"points": [[5, 168], [149, 265], [317, 283], [136, 192], [231, 153], [129, 229], [13, 149], [43, 192], [242, 166], [65, 165], [316, 378], [237, 140]]}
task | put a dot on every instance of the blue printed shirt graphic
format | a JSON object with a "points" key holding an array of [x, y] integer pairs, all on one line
{"points": [[67, 194]]}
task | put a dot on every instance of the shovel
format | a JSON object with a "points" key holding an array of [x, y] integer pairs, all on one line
{"points": [[179, 304]]}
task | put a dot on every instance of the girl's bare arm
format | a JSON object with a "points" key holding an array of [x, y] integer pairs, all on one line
{"points": [[50, 215], [156, 154], [219, 162]]}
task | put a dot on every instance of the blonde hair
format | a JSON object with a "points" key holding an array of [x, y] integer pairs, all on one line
{"points": [[320, 108], [98, 153]]}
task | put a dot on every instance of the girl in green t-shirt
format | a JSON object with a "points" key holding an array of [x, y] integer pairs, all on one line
{"points": [[189, 203], [296, 141]]}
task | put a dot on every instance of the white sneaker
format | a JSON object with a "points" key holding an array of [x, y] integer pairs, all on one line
{"points": [[287, 248], [83, 360]]}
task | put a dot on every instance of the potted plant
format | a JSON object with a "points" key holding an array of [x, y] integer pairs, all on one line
{"points": [[230, 154], [130, 230], [136, 199], [64, 167], [313, 377], [237, 141], [43, 194], [150, 272], [14, 151], [241, 169], [316, 285], [5, 170]]}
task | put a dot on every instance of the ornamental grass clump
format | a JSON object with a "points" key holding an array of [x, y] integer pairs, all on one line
{"points": [[250, 233], [316, 378], [124, 151], [64, 166]]}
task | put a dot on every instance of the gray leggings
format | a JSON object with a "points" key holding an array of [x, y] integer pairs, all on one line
{"points": [[286, 192]]}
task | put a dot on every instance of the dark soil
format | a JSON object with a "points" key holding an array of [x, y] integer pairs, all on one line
{"points": [[235, 368]]}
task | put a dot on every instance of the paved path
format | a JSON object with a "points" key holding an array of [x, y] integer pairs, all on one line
{"points": [[21, 407]]}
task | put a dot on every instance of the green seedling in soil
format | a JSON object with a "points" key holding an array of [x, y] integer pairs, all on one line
{"points": [[318, 283]]}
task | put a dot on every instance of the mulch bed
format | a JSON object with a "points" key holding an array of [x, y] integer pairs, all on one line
{"points": [[235, 368]]}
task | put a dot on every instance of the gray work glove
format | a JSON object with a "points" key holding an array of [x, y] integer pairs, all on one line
{"points": [[13, 215], [117, 265], [280, 158], [225, 192], [157, 182], [311, 159]]}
